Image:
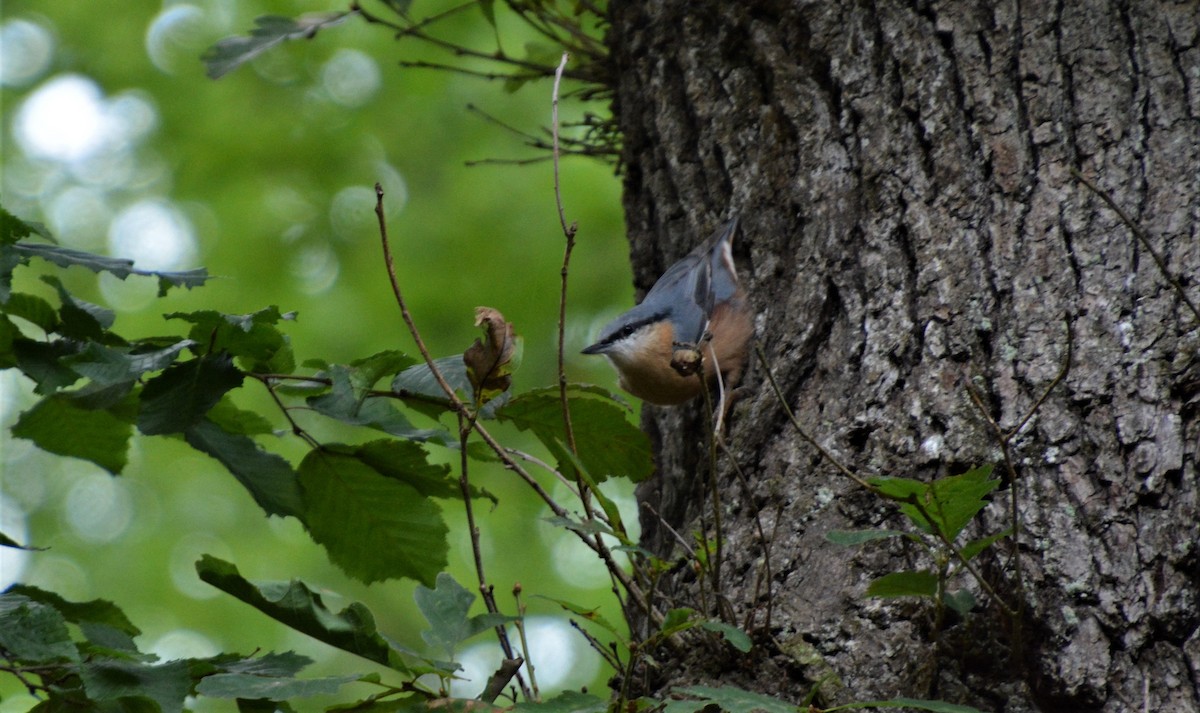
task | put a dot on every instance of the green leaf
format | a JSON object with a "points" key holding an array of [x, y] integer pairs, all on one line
{"points": [[565, 702], [118, 267], [253, 338], [419, 380], [409, 463], [365, 372], [6, 541], [45, 363], [445, 607], [606, 442], [735, 700], [179, 397], [235, 420], [396, 531], [113, 365], [951, 502], [737, 638], [33, 309], [13, 228], [96, 611], [593, 615], [345, 405], [974, 547], [78, 318], [111, 680], [904, 584], [245, 685], [57, 424], [294, 604], [32, 632], [288, 663], [269, 31], [488, 8], [269, 478], [849, 538], [961, 601]]}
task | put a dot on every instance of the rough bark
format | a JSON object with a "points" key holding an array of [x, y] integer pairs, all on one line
{"points": [[911, 223]]}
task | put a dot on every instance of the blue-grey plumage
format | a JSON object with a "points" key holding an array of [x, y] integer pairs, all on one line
{"points": [[697, 294]]}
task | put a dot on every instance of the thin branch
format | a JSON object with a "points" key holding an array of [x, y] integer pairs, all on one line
{"points": [[607, 655], [465, 418], [569, 234], [1141, 236], [520, 624], [296, 428]]}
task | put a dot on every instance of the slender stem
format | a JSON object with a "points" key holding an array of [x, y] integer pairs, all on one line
{"points": [[520, 623], [465, 421], [569, 233], [1142, 237]]}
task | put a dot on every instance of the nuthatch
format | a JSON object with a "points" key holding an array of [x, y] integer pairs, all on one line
{"points": [[696, 308]]}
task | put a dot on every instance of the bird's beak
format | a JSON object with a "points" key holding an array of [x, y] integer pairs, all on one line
{"points": [[597, 348]]}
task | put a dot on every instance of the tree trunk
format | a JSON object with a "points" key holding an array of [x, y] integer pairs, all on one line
{"points": [[912, 230]]}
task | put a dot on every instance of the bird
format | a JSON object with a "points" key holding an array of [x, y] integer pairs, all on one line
{"points": [[695, 317]]}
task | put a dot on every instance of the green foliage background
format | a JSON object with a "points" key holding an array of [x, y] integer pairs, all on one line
{"points": [[255, 161]]}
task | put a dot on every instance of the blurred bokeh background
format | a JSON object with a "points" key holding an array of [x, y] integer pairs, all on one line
{"points": [[114, 137]]}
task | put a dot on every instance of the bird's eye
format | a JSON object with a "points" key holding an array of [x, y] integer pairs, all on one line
{"points": [[627, 330]]}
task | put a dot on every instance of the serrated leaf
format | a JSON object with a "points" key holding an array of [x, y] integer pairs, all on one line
{"points": [[118, 267], [974, 547], [420, 381], [96, 611], [107, 366], [269, 31], [408, 463], [58, 425], [591, 614], [269, 478], [951, 502], [45, 363], [294, 604], [13, 228], [565, 702], [79, 319], [235, 420], [365, 372], [343, 403], [962, 601], [737, 638], [445, 607], [33, 309], [245, 685], [166, 684], [849, 538], [252, 338], [920, 583], [32, 632], [178, 398], [287, 663], [396, 531], [736, 700], [607, 443]]}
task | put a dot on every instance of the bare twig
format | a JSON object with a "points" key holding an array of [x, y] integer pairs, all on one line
{"points": [[520, 624], [1142, 237], [465, 419]]}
